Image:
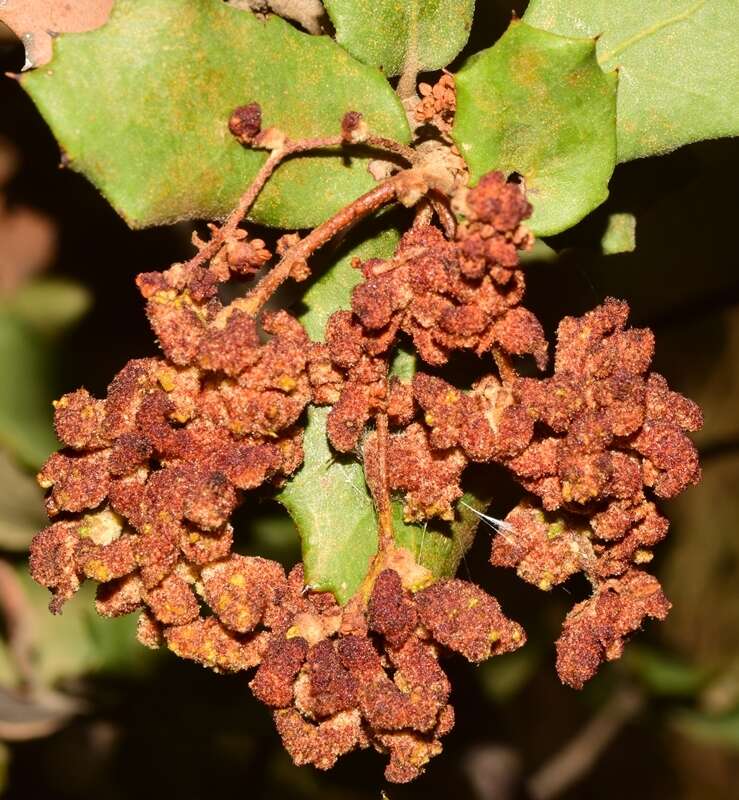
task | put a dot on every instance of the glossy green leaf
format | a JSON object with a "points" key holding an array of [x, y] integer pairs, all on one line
{"points": [[388, 33], [538, 104], [25, 397], [677, 59], [141, 107], [332, 509], [328, 498]]}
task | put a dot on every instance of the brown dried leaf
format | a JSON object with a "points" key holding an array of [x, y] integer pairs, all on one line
{"points": [[36, 22]]}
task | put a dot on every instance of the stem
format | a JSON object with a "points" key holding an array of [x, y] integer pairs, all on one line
{"points": [[276, 157], [391, 146], [424, 214], [440, 204], [361, 207], [580, 754], [407, 84], [19, 621], [378, 486], [382, 494], [506, 369]]}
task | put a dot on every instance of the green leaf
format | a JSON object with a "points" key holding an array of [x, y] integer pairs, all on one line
{"points": [[663, 673], [620, 235], [720, 730], [436, 545], [539, 105], [388, 33], [141, 107], [49, 305], [25, 397], [328, 498], [78, 642], [332, 509], [22, 512], [677, 59]]}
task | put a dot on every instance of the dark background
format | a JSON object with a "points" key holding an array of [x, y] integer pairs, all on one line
{"points": [[668, 713]]}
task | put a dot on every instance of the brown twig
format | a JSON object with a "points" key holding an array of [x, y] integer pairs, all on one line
{"points": [[276, 157], [440, 204], [19, 623], [377, 482], [424, 214], [579, 755], [381, 492], [391, 146], [371, 201]]}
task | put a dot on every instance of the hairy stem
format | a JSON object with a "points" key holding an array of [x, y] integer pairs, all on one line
{"points": [[276, 157], [381, 492], [407, 84], [363, 206]]}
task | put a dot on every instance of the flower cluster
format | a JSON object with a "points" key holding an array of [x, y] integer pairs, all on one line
{"points": [[446, 295], [437, 104], [151, 474], [340, 681], [143, 491]]}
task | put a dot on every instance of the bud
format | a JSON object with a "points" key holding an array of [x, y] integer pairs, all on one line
{"points": [[246, 122], [354, 129]]}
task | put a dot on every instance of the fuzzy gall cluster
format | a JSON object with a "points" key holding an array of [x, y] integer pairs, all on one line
{"points": [[338, 680], [143, 491], [594, 443], [142, 494], [140, 500], [446, 295]]}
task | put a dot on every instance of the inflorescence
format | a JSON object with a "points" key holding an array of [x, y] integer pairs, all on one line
{"points": [[141, 495]]}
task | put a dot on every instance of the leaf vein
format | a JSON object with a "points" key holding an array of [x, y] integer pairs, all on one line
{"points": [[643, 34]]}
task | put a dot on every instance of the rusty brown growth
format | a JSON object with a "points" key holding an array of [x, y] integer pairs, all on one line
{"points": [[380, 684], [142, 494], [437, 104]]}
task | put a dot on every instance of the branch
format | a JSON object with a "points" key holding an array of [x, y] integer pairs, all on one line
{"points": [[284, 150], [381, 492], [399, 187], [18, 618], [579, 755]]}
